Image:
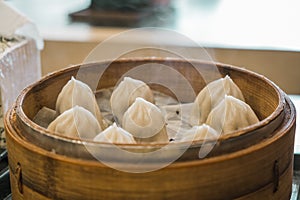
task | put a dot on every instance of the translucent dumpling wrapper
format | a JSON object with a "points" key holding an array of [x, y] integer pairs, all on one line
{"points": [[145, 122], [202, 132], [210, 96], [177, 118], [115, 134], [231, 114], [76, 92], [76, 122], [126, 93]]}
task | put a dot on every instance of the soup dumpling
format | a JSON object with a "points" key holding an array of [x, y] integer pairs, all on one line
{"points": [[145, 122], [115, 134], [210, 96], [231, 114], [76, 122], [74, 93], [126, 93], [202, 132]]}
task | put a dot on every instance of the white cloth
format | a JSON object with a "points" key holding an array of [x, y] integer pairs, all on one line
{"points": [[13, 22]]}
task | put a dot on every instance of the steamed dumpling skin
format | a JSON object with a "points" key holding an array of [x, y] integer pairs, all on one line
{"points": [[126, 93], [202, 132], [74, 93], [115, 134], [76, 122], [210, 96], [145, 122], [231, 114]]}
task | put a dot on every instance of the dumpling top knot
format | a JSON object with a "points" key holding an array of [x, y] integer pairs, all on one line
{"points": [[145, 122], [125, 94], [78, 93], [140, 112], [210, 96], [115, 134], [76, 122], [231, 114]]}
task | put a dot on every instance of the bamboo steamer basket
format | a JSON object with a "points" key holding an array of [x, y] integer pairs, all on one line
{"points": [[251, 163]]}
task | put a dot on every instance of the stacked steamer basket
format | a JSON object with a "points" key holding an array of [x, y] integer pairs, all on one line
{"points": [[252, 163]]}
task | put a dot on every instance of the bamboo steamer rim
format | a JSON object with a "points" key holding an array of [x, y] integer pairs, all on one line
{"points": [[234, 134], [281, 132]]}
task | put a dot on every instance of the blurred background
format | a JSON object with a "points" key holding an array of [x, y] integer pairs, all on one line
{"points": [[262, 36]]}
